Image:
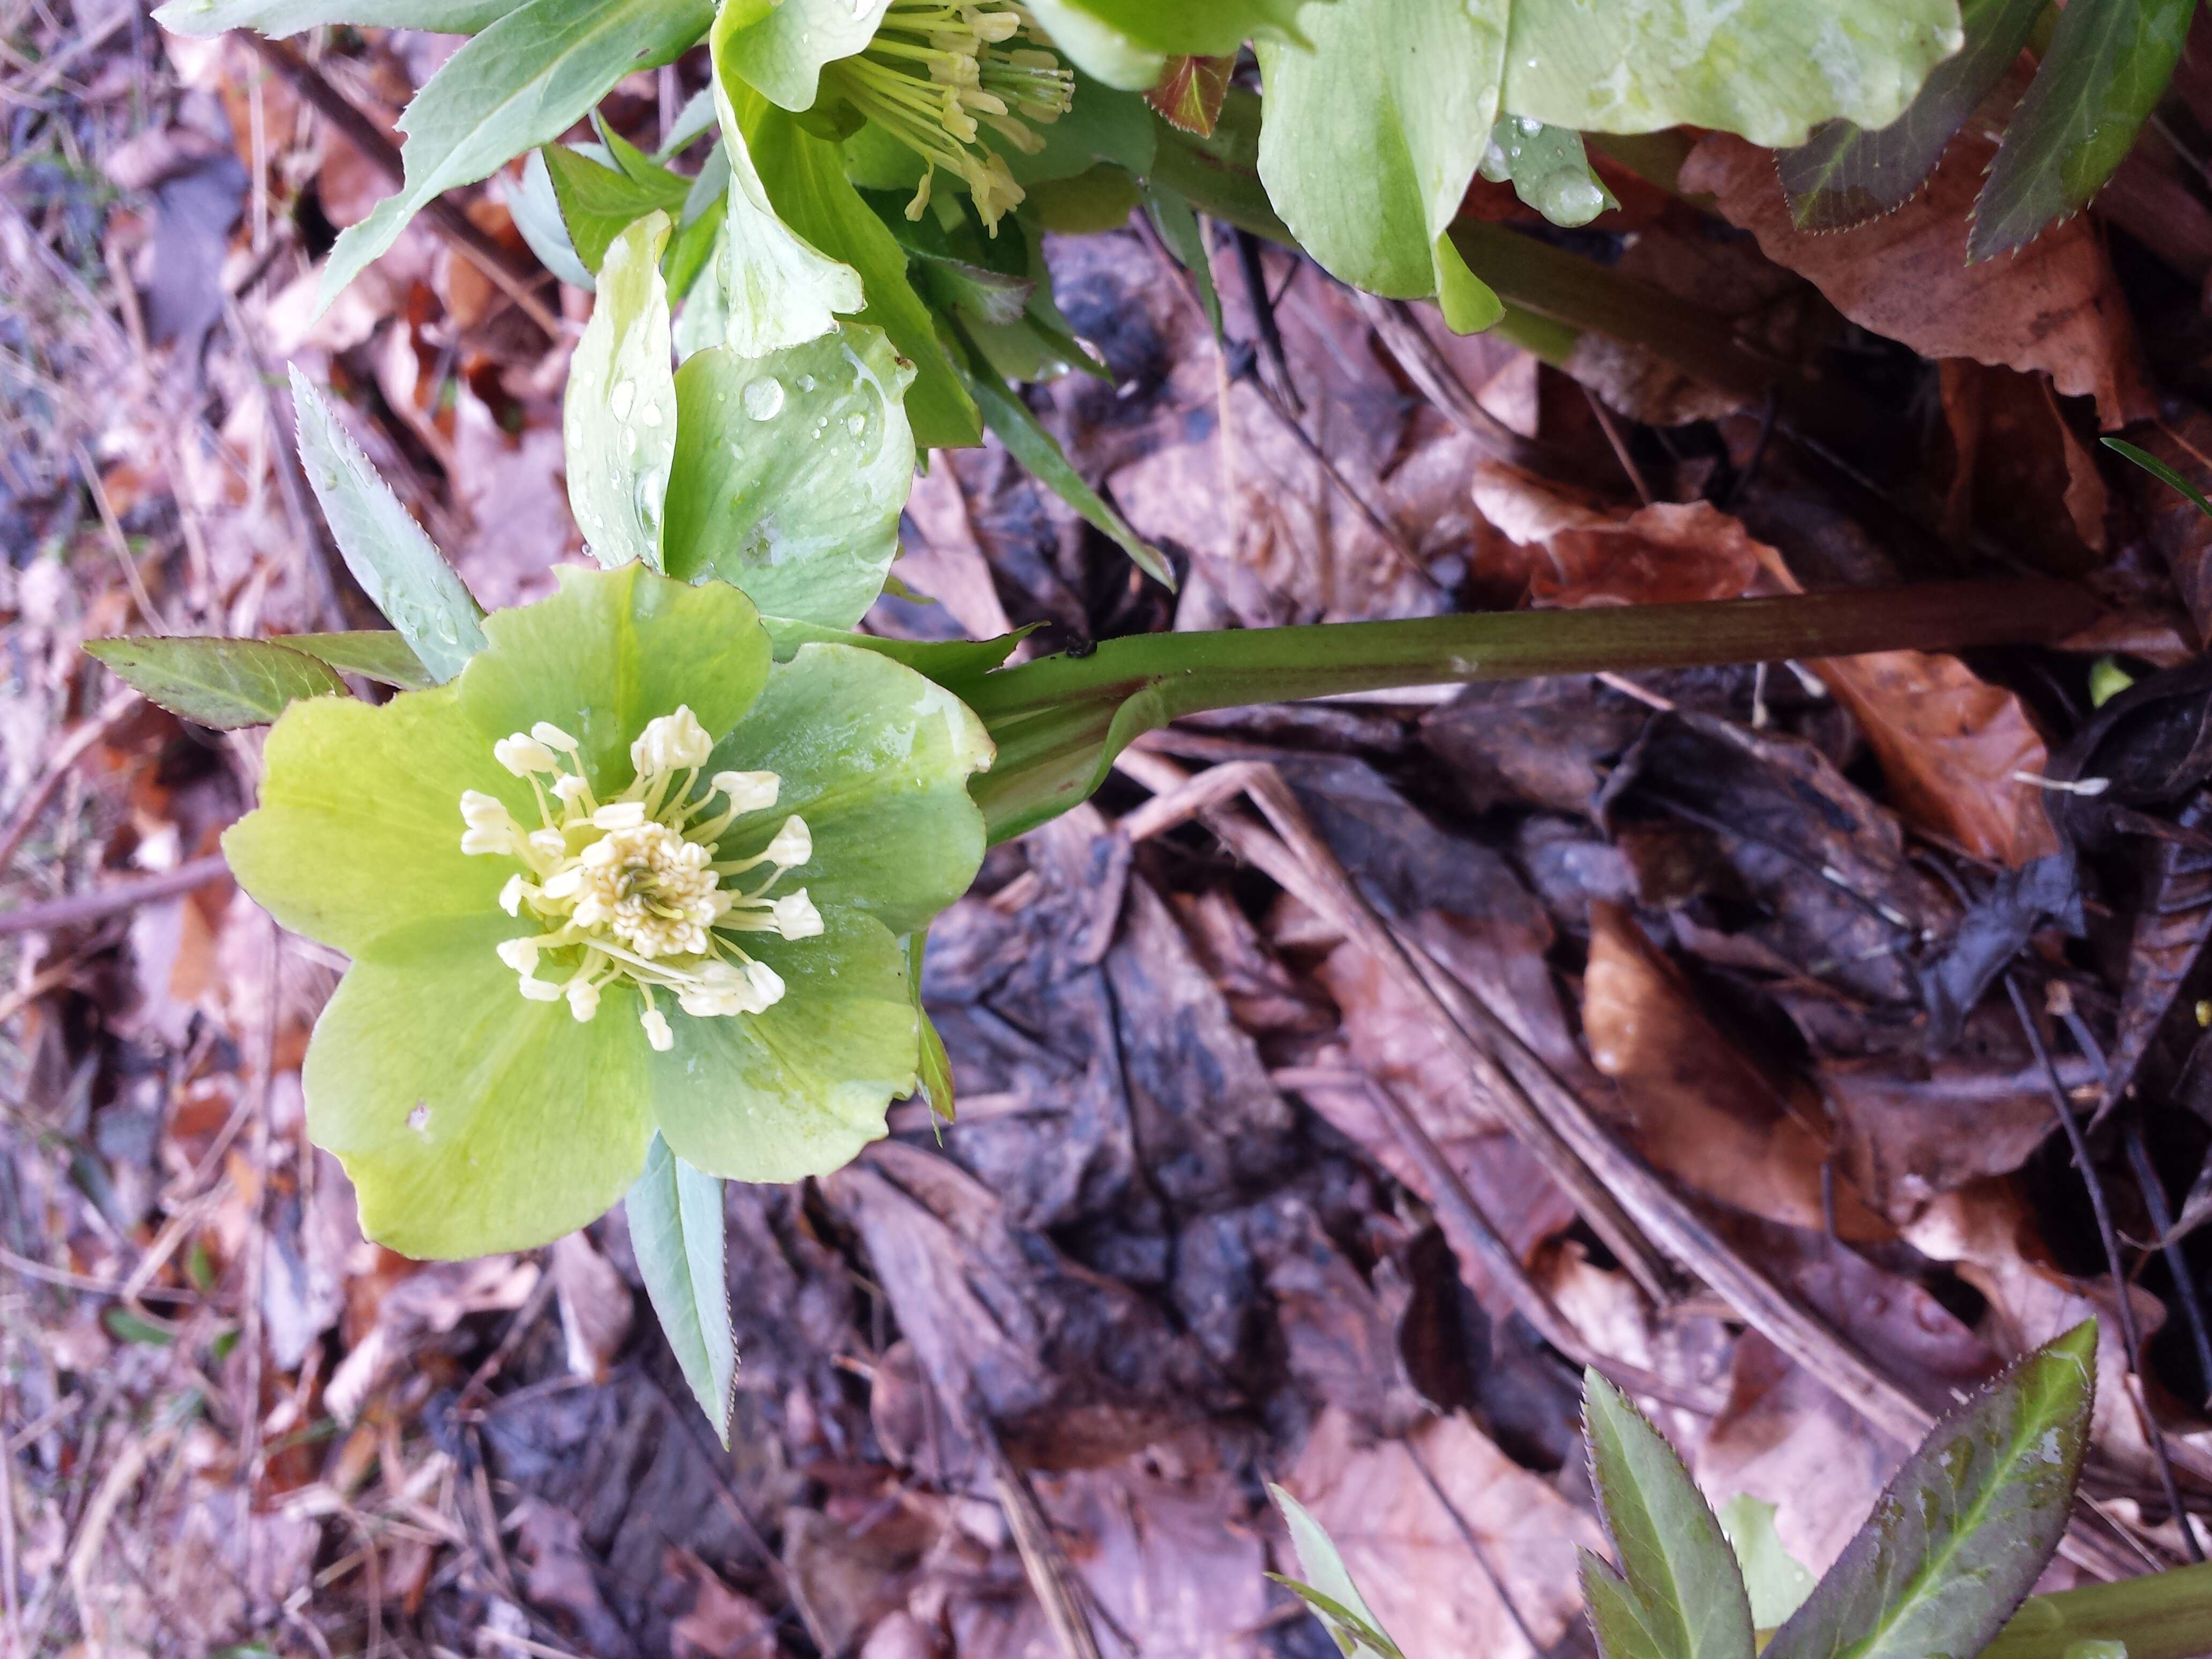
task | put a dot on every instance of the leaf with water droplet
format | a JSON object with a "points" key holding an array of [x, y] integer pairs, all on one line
{"points": [[1548, 169], [807, 529], [618, 459]]}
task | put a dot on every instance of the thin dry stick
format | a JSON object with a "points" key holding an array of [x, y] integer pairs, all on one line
{"points": [[2108, 1235], [1041, 1558], [10, 1609], [104, 901], [1474, 1548], [116, 539], [1613, 435], [1411, 348]]}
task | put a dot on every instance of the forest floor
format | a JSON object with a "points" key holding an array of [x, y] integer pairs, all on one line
{"points": [[1249, 1181]]}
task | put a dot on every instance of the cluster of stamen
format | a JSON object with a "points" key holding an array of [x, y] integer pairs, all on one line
{"points": [[630, 888], [939, 73]]}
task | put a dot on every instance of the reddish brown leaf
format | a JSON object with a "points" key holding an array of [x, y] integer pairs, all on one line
{"points": [[2054, 306], [1189, 92]]}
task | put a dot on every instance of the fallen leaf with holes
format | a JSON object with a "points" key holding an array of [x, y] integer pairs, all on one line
{"points": [[2054, 305]]}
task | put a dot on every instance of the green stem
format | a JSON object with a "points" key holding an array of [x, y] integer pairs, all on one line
{"points": [[1059, 721], [2162, 1615]]}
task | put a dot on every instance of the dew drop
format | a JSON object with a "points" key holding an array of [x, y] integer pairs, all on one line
{"points": [[806, 383], [763, 399], [856, 424], [650, 415], [620, 399]]}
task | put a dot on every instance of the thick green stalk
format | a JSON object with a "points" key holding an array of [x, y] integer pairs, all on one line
{"points": [[1059, 721], [2163, 1615]]}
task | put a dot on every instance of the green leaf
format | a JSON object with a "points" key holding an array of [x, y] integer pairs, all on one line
{"points": [[210, 17], [1028, 442], [952, 664], [1618, 1618], [2107, 67], [676, 1232], [598, 202], [1327, 1588], [1182, 236], [223, 683], [1548, 169], [524, 82], [618, 418], [790, 472], [804, 178], [1677, 1564], [1776, 1581], [396, 565], [777, 287], [781, 56], [1126, 43], [376, 655], [1845, 174], [2158, 470], [1966, 1527], [933, 1072], [1371, 138], [1771, 71]]}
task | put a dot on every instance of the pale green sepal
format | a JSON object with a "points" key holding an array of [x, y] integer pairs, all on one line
{"points": [[396, 565], [358, 834], [1125, 42], [799, 1090], [524, 82], [777, 288], [618, 418], [1369, 140], [876, 759], [471, 1120], [608, 652], [536, 210], [1328, 1587], [1469, 303], [791, 471], [1098, 48], [675, 1232], [1770, 69], [780, 57]]}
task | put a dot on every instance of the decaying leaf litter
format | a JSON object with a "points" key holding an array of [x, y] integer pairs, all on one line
{"points": [[1328, 1091]]}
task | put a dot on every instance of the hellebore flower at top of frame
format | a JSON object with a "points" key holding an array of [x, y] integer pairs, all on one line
{"points": [[623, 873]]}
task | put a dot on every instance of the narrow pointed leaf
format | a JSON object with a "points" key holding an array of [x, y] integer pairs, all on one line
{"points": [[212, 17], [1618, 1618], [934, 1074], [1845, 175], [599, 203], [224, 683], [522, 82], [618, 416], [396, 565], [676, 1232], [1328, 1587], [1028, 442], [1677, 1563], [1184, 236], [1966, 1527], [2158, 470], [2107, 67], [535, 207]]}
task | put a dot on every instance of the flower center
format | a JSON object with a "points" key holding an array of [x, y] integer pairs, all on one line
{"points": [[630, 889], [937, 72]]}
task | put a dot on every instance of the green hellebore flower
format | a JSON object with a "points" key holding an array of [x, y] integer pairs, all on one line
{"points": [[623, 873]]}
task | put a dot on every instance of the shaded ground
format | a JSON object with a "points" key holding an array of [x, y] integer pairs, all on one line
{"points": [[1251, 1180]]}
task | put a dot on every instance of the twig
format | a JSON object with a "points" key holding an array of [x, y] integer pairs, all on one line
{"points": [[1047, 1571], [10, 1610], [63, 1278], [112, 900], [1536, 1649], [2176, 1259], [132, 577], [65, 756], [500, 268], [2108, 1235], [1263, 318], [1411, 347], [1613, 435]]}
